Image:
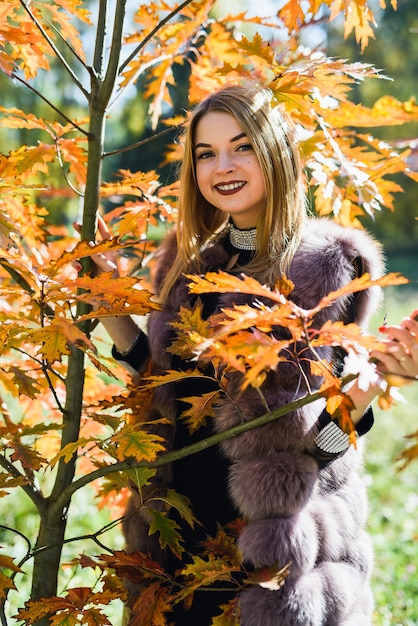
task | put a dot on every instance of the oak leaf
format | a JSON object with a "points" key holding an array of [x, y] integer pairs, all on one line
{"points": [[68, 451], [138, 444], [114, 296], [201, 408], [230, 615], [181, 503], [9, 482], [173, 376], [151, 606], [204, 572], [26, 384], [57, 339], [27, 456], [168, 531], [6, 583], [133, 566]]}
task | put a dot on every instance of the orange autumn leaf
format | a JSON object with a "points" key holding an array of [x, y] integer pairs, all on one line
{"points": [[201, 408], [113, 296], [151, 606]]}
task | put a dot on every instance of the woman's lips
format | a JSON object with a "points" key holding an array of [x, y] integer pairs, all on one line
{"points": [[227, 189]]}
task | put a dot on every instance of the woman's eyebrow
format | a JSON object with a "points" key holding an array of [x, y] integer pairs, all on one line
{"points": [[240, 136], [208, 145]]}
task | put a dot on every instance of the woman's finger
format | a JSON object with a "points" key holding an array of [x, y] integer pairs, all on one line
{"points": [[103, 228]]}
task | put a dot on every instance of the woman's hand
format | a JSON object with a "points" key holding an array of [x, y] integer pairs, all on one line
{"points": [[399, 363], [102, 262]]}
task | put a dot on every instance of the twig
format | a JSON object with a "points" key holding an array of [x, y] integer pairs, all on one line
{"points": [[49, 103], [152, 33], [143, 142], [54, 48], [64, 173]]}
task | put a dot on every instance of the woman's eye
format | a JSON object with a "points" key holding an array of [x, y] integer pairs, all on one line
{"points": [[204, 155], [245, 147]]}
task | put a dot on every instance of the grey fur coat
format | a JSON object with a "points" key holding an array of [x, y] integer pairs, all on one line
{"points": [[296, 512]]}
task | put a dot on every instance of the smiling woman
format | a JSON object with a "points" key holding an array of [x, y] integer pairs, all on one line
{"points": [[293, 482], [228, 173]]}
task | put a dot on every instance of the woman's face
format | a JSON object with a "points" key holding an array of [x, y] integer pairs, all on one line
{"points": [[228, 173]]}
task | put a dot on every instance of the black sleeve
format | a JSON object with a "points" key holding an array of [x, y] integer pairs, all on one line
{"points": [[137, 356]]}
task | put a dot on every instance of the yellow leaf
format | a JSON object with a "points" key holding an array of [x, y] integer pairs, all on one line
{"points": [[68, 451], [54, 343], [140, 445], [172, 376], [257, 47], [230, 615], [204, 572]]}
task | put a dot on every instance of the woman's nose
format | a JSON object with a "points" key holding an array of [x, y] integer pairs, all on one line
{"points": [[225, 163]]}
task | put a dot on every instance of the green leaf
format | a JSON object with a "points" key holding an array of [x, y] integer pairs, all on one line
{"points": [[181, 504], [168, 531]]}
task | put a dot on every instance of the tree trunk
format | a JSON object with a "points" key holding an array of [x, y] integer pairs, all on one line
{"points": [[53, 511]]}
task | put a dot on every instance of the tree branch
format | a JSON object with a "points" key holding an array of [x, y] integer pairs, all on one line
{"points": [[35, 495], [199, 446], [108, 84], [152, 33], [49, 103], [54, 49], [98, 56], [143, 142]]}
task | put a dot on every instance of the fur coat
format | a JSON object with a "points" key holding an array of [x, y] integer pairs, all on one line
{"points": [[296, 512]]}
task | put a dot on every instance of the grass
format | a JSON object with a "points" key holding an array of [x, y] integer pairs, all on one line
{"points": [[393, 512]]}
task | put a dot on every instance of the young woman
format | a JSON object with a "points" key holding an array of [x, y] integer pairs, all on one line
{"points": [[295, 481]]}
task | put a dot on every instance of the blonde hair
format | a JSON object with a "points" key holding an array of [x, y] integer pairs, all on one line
{"points": [[271, 133]]}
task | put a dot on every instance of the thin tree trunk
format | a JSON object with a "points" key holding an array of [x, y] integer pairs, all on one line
{"points": [[53, 511]]}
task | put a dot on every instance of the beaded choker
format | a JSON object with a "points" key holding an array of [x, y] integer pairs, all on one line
{"points": [[243, 239]]}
